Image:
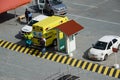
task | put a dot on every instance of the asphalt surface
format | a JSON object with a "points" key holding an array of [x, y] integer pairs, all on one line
{"points": [[98, 17]]}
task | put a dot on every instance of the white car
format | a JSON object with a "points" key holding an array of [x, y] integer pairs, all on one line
{"points": [[104, 47], [28, 27]]}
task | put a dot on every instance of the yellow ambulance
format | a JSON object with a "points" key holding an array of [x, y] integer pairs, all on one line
{"points": [[46, 28]]}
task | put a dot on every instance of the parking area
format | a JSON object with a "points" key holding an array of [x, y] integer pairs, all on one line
{"points": [[98, 18]]}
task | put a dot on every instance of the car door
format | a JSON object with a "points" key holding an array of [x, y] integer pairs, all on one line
{"points": [[41, 4], [48, 5], [115, 43], [109, 48]]}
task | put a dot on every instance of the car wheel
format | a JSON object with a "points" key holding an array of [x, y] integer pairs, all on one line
{"points": [[105, 57]]}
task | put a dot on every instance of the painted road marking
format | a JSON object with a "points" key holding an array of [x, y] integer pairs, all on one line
{"points": [[62, 59], [73, 63], [77, 16], [106, 70], [68, 61], [84, 64], [50, 54], [89, 66], [54, 57]]}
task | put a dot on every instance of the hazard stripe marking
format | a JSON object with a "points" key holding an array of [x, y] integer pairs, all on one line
{"points": [[36, 52], [18, 48], [60, 56], [74, 61], [111, 72], [89, 66], [56, 58], [84, 64], [95, 67], [39, 55], [62, 59], [2, 42], [79, 63], [7, 44], [117, 74], [114, 72], [4, 46], [68, 61], [53, 58], [100, 69], [109, 69], [13, 47], [71, 61], [50, 54], [45, 55]]}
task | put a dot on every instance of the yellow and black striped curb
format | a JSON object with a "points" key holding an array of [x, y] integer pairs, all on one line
{"points": [[112, 72]]}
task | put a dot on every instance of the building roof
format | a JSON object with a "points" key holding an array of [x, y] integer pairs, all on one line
{"points": [[6, 5], [69, 28]]}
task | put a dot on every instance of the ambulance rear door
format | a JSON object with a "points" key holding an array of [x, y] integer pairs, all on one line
{"points": [[50, 37]]}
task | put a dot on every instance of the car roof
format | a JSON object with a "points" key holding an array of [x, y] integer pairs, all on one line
{"points": [[39, 17], [108, 38]]}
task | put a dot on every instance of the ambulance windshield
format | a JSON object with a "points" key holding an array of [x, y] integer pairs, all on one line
{"points": [[32, 22]]}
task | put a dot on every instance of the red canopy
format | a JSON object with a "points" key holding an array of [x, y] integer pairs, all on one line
{"points": [[6, 5], [70, 27]]}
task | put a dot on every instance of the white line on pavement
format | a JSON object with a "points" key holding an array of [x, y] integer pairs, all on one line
{"points": [[93, 19], [85, 5], [116, 10]]}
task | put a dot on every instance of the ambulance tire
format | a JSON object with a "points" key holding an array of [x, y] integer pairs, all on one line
{"points": [[55, 42]]}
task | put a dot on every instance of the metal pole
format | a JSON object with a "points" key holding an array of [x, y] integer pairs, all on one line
{"points": [[15, 14]]}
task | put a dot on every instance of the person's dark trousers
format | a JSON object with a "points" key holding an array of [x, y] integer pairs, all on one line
{"points": [[30, 18], [43, 50]]}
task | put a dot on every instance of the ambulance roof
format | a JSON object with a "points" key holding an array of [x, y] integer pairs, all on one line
{"points": [[49, 22], [40, 17]]}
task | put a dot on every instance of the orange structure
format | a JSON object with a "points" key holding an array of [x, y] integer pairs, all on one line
{"points": [[6, 5]]}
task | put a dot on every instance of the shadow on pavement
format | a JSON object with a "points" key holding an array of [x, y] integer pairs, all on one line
{"points": [[6, 16]]}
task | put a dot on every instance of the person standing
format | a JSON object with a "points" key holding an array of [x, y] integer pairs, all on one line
{"points": [[29, 16], [28, 38], [43, 46], [26, 15]]}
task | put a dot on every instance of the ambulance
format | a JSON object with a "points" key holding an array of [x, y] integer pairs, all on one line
{"points": [[47, 29], [28, 27]]}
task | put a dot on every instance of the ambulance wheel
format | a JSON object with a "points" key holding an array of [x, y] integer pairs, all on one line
{"points": [[55, 42]]}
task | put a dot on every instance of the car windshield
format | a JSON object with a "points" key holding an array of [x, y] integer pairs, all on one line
{"points": [[32, 22], [100, 45], [55, 2]]}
